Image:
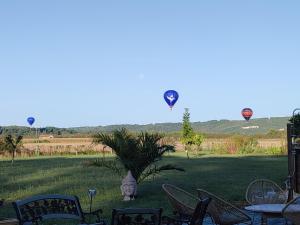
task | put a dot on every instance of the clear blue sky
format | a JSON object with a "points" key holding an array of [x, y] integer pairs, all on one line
{"points": [[77, 63]]}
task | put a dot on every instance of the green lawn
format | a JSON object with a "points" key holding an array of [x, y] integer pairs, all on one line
{"points": [[226, 176]]}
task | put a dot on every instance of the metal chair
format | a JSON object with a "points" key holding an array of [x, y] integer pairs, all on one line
{"points": [[182, 202], [36, 209], [263, 191], [195, 219], [222, 212]]}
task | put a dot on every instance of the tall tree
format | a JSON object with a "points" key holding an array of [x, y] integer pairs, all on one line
{"points": [[187, 132]]}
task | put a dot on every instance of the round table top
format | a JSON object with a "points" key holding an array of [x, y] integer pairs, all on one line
{"points": [[266, 208]]}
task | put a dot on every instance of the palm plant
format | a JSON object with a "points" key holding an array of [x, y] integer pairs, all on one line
{"points": [[137, 154], [12, 145]]}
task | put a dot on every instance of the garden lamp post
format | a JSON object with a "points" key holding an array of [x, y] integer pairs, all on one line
{"points": [[92, 193]]}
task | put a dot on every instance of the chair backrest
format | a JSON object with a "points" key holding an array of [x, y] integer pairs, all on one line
{"points": [[136, 216], [221, 211], [292, 211], [263, 191], [200, 211], [183, 202], [42, 207]]}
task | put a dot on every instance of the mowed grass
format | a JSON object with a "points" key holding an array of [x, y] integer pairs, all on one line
{"points": [[226, 176]]}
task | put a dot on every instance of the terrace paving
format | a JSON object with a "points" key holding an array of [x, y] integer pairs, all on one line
{"points": [[255, 218]]}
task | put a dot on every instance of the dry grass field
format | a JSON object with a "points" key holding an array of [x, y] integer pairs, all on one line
{"points": [[54, 146]]}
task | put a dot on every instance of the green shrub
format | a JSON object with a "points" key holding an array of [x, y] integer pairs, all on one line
{"points": [[275, 150]]}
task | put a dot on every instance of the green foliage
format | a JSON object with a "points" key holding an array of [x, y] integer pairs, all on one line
{"points": [[187, 130], [274, 151], [189, 137], [2, 146], [138, 154], [275, 134], [245, 144], [12, 145], [295, 119], [197, 140], [237, 144]]}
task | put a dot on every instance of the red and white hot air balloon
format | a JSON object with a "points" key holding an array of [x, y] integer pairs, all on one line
{"points": [[247, 113]]}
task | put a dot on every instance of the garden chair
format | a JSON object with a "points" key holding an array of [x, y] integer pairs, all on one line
{"points": [[263, 191], [291, 211], [188, 208], [136, 216], [35, 210], [182, 202], [195, 219], [222, 212]]}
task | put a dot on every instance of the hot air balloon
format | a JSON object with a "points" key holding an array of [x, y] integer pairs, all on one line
{"points": [[247, 113], [30, 120], [171, 97]]}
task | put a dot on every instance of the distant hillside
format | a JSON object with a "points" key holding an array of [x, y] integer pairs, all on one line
{"points": [[255, 126]]}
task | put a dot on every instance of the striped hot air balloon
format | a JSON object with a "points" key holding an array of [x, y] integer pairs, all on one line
{"points": [[247, 113]]}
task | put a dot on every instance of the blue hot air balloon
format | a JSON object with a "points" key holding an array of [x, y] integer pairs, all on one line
{"points": [[30, 120], [171, 97]]}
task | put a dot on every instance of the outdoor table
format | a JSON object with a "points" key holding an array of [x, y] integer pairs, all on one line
{"points": [[267, 211]]}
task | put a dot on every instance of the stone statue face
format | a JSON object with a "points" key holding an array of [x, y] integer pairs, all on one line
{"points": [[129, 189]]}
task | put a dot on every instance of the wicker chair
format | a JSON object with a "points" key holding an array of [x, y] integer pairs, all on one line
{"points": [[222, 212], [182, 202], [185, 210], [263, 191], [291, 211]]}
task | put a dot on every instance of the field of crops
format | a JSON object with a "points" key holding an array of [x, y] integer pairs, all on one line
{"points": [[83, 146]]}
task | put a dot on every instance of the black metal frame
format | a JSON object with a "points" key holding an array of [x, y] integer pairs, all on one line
{"points": [[136, 216], [43, 207], [293, 151]]}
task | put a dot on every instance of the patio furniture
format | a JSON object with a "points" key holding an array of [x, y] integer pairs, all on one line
{"points": [[196, 219], [222, 212], [136, 216], [267, 211], [292, 211], [183, 203], [263, 191], [45, 207]]}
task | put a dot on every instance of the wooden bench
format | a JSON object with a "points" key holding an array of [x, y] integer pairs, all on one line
{"points": [[45, 207]]}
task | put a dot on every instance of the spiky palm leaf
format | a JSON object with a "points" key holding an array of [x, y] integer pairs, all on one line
{"points": [[155, 170], [136, 153]]}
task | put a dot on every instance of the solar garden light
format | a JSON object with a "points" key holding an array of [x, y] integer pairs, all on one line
{"points": [[92, 193]]}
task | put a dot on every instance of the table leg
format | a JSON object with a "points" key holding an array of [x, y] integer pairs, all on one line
{"points": [[264, 220]]}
